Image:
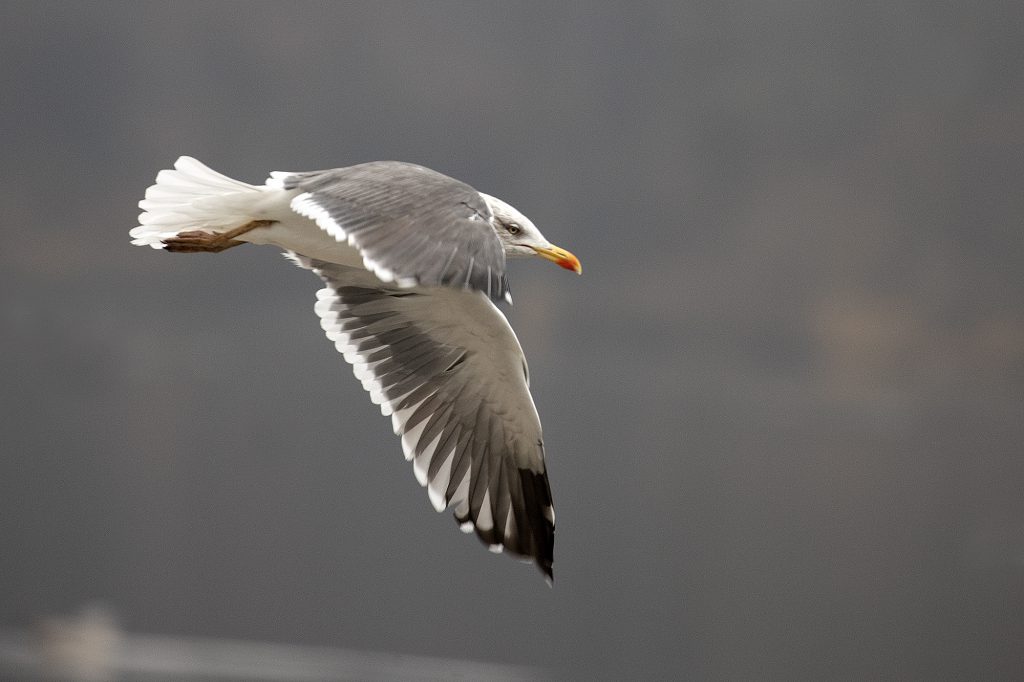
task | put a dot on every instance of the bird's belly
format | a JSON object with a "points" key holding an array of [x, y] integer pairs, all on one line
{"points": [[301, 235]]}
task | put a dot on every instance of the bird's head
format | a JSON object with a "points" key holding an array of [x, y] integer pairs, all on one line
{"points": [[520, 237]]}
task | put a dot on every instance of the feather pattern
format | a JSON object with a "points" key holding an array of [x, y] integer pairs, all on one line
{"points": [[447, 367], [412, 225]]}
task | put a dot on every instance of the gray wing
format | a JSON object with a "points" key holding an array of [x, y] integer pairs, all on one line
{"points": [[447, 367], [413, 226]]}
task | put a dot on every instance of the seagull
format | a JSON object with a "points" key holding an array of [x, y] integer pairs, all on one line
{"points": [[412, 262]]}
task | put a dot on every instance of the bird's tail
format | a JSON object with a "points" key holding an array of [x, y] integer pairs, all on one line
{"points": [[191, 197]]}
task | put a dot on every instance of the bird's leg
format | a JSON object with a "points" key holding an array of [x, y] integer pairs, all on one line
{"points": [[197, 241]]}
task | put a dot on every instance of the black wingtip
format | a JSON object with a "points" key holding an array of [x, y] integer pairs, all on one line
{"points": [[537, 500], [534, 517], [549, 575]]}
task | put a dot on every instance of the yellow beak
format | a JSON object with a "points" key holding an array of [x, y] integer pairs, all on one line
{"points": [[560, 257]]}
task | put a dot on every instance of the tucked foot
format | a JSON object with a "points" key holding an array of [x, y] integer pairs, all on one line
{"points": [[197, 241]]}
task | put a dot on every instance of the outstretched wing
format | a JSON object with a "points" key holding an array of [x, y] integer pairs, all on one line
{"points": [[412, 225], [447, 367]]}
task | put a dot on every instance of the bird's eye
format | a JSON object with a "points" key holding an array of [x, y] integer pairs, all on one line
{"points": [[513, 228]]}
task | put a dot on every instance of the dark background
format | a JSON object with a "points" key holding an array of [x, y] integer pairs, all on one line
{"points": [[784, 406]]}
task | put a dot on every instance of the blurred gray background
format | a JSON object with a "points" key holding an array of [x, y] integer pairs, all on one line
{"points": [[783, 407]]}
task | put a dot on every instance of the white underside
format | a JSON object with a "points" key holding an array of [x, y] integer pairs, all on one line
{"points": [[195, 197], [293, 232]]}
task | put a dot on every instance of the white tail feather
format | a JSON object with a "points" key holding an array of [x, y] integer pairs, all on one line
{"points": [[191, 197]]}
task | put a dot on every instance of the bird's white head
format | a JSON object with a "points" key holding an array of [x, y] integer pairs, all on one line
{"points": [[520, 237]]}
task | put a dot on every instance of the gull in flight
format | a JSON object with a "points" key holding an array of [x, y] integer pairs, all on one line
{"points": [[412, 262]]}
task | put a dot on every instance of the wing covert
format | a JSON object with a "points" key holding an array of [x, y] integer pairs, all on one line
{"points": [[412, 225]]}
